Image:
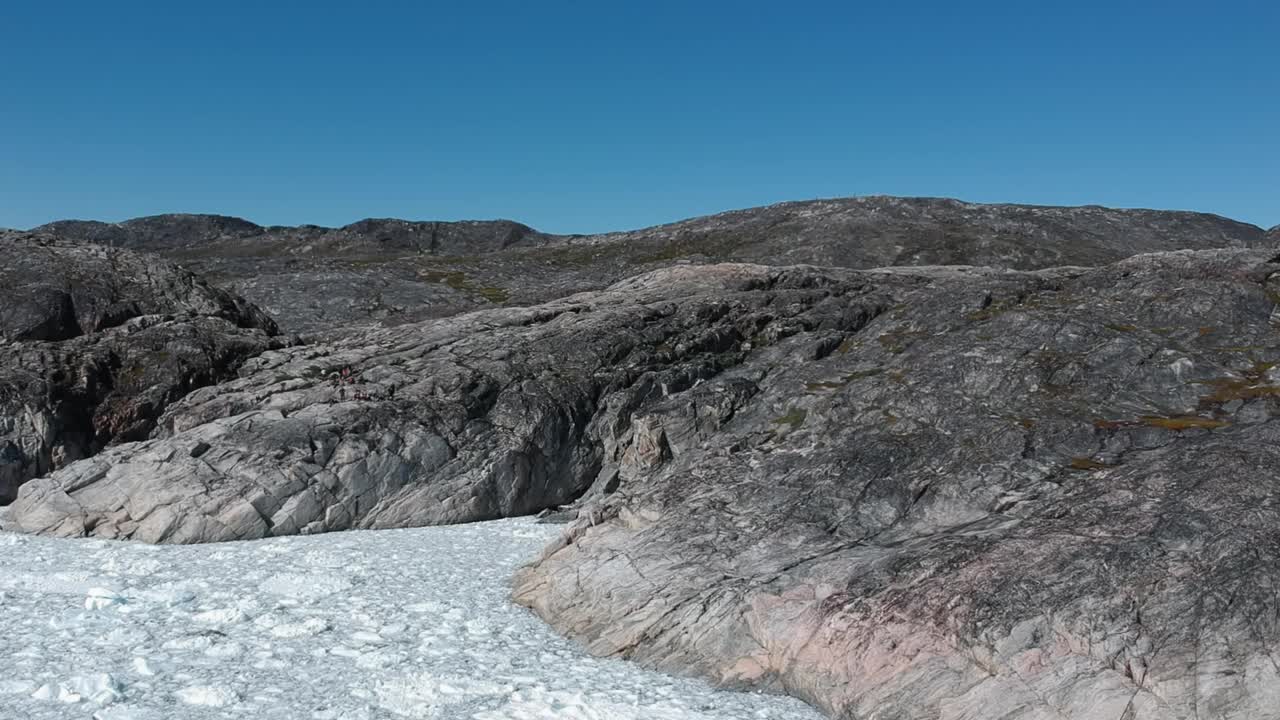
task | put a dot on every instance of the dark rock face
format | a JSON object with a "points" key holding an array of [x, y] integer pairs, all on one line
{"points": [[490, 414], [178, 231], [51, 289], [157, 232], [320, 280], [908, 493], [97, 341]]}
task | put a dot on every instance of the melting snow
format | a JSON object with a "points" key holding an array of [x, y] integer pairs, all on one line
{"points": [[348, 626]]}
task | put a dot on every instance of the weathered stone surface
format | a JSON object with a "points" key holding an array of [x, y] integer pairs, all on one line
{"points": [[95, 342], [157, 232], [911, 492], [907, 493], [321, 280], [52, 289], [497, 413], [1021, 496]]}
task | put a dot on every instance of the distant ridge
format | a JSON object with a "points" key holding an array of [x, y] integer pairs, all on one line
{"points": [[182, 230], [171, 230], [314, 278]]}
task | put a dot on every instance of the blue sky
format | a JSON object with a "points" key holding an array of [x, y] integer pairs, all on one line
{"points": [[589, 116]]}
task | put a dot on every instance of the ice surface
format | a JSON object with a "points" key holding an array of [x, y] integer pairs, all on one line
{"points": [[368, 625]]}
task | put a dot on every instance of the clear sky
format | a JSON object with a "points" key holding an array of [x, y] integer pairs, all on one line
{"points": [[589, 116]]}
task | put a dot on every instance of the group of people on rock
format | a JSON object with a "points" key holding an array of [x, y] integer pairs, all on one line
{"points": [[341, 379]]}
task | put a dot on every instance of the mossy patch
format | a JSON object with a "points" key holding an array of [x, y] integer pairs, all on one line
{"points": [[794, 418], [495, 295], [859, 374], [1225, 391], [1250, 385], [455, 279], [458, 280], [132, 375], [897, 340], [987, 312], [1183, 422]]}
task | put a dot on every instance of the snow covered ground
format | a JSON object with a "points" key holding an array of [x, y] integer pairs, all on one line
{"points": [[346, 626]]}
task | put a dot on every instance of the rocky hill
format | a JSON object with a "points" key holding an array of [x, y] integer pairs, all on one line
{"points": [[95, 342], [1043, 486], [318, 280], [178, 232], [915, 492]]}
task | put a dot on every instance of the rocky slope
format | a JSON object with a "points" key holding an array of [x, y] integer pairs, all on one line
{"points": [[502, 412], [1034, 496], [177, 232], [393, 271], [95, 342], [54, 289], [933, 492]]}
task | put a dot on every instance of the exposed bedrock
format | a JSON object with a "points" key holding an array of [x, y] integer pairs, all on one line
{"points": [[496, 413], [936, 492], [1018, 496], [322, 280], [95, 342]]}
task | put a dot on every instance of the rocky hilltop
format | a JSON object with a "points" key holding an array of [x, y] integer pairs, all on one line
{"points": [[179, 232], [921, 491], [96, 341], [319, 280]]}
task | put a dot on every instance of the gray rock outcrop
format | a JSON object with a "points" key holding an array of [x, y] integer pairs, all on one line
{"points": [[1048, 495], [395, 271], [907, 493], [497, 413], [53, 289], [95, 342], [925, 491]]}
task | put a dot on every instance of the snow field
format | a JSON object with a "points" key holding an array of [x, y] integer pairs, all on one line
{"points": [[366, 625]]}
